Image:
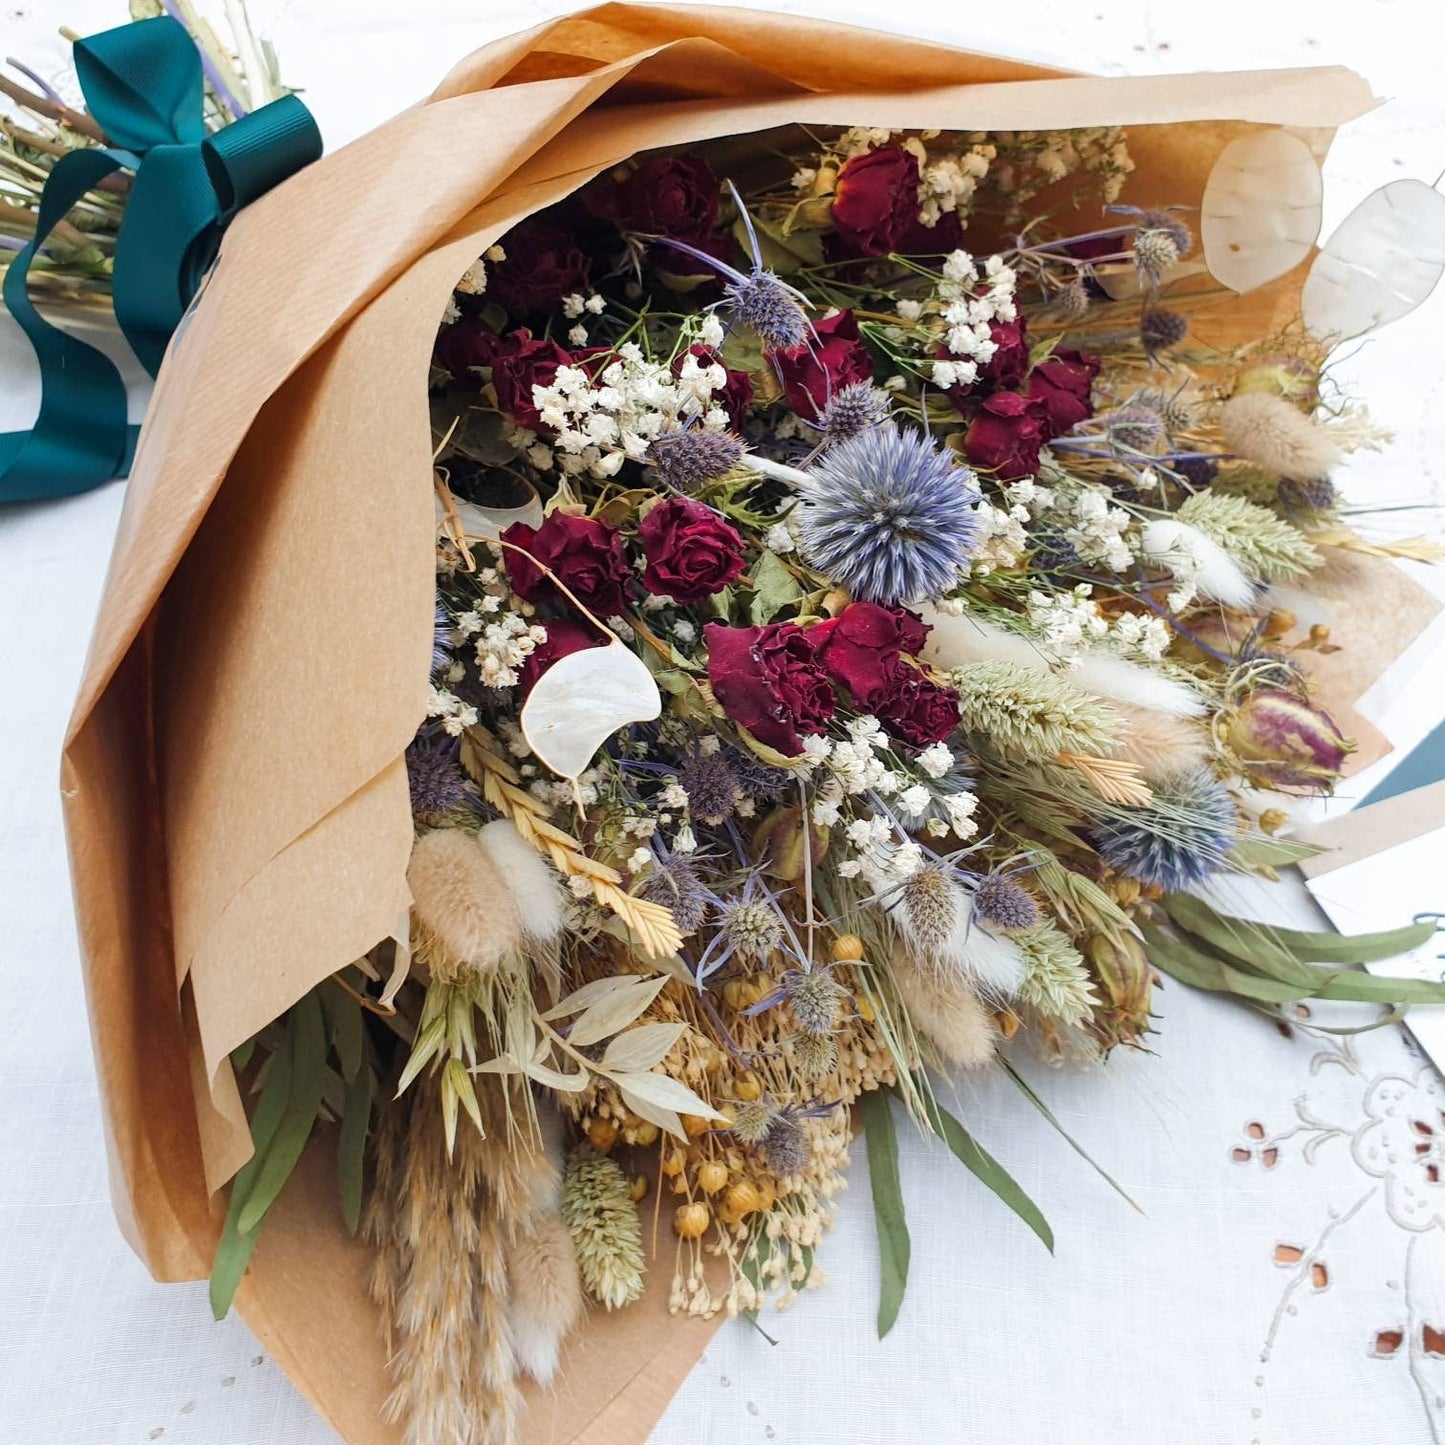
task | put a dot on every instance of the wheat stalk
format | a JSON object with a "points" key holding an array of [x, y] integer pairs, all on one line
{"points": [[651, 923], [1116, 780]]}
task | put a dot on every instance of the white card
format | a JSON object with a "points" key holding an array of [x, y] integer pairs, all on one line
{"points": [[1386, 890]]}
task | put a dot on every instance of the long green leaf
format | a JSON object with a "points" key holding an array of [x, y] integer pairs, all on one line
{"points": [[1195, 965], [344, 1027], [233, 1252], [351, 1145], [988, 1171], [888, 1217], [307, 1043], [1026, 1089], [1251, 945]]}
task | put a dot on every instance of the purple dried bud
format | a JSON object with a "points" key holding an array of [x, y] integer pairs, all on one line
{"points": [[1288, 743], [691, 457], [1315, 495], [1000, 902], [1160, 329], [435, 778]]}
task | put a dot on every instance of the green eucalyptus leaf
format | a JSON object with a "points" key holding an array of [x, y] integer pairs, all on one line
{"points": [[307, 1030], [986, 1169], [774, 588], [888, 1217]]}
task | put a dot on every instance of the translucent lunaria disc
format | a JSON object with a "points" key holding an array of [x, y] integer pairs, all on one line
{"points": [[581, 700], [1261, 209], [1380, 264]]}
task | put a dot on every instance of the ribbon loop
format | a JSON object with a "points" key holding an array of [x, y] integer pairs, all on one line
{"points": [[143, 83]]}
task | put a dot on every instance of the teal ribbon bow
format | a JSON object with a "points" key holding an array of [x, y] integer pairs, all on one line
{"points": [[143, 83]]}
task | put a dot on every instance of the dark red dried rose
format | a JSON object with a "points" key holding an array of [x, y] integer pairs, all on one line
{"points": [[585, 554], [736, 398], [861, 647], [520, 361], [665, 196], [564, 637], [875, 203], [769, 682], [915, 709], [834, 357], [1062, 385], [543, 265], [1009, 363], [1004, 436], [691, 552]]}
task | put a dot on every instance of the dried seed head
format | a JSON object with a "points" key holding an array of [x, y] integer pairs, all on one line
{"points": [[816, 1055], [1137, 427], [1316, 495], [852, 409], [1156, 249], [1074, 300], [767, 306], [691, 1220], [928, 908], [602, 1219], [752, 928], [675, 884], [1172, 226], [434, 775], [712, 787]]}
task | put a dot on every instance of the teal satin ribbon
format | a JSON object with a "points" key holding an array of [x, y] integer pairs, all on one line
{"points": [[143, 84]]}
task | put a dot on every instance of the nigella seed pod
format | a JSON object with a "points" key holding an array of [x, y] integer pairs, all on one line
{"points": [[1126, 980], [1290, 377], [778, 843], [1286, 742]]}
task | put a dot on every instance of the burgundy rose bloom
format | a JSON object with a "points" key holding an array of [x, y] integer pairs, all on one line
{"points": [[917, 710], [835, 358], [736, 398], [875, 204], [1063, 385], [520, 361], [585, 554], [1005, 436], [1010, 362], [564, 637], [543, 265], [691, 551], [861, 647], [945, 235], [769, 682], [665, 196], [467, 342]]}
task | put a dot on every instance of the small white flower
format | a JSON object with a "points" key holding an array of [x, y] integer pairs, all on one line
{"points": [[577, 336], [914, 800], [639, 860], [936, 759], [684, 841], [572, 306], [495, 253]]}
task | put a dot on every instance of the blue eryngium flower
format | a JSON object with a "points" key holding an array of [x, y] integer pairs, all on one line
{"points": [[1176, 841], [888, 515]]}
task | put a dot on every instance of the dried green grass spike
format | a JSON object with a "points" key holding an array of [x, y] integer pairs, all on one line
{"points": [[597, 1206], [1055, 979], [1255, 537], [1032, 714]]}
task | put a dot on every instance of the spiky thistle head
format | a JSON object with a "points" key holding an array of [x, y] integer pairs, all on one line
{"points": [[602, 1220], [889, 516], [815, 1055], [786, 1147], [434, 776], [1000, 903], [1172, 227], [852, 409], [1178, 840], [688, 458], [1074, 299], [1136, 427], [1159, 329], [752, 928], [768, 307], [675, 884], [760, 782], [712, 786], [816, 998], [750, 1119], [929, 906], [1156, 249]]}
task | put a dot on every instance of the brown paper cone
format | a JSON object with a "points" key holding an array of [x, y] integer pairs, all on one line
{"points": [[235, 797]]}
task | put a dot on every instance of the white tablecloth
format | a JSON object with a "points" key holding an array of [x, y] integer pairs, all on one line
{"points": [[1270, 1291]]}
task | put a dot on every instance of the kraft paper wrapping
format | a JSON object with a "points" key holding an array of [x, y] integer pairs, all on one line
{"points": [[236, 799]]}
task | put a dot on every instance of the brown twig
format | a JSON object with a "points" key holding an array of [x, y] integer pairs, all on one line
{"points": [[76, 120]]}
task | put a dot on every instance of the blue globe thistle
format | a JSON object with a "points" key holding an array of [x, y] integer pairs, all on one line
{"points": [[889, 516], [435, 778], [758, 780], [688, 458], [1000, 903], [1176, 841], [712, 786], [1160, 329], [769, 307], [852, 409]]}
